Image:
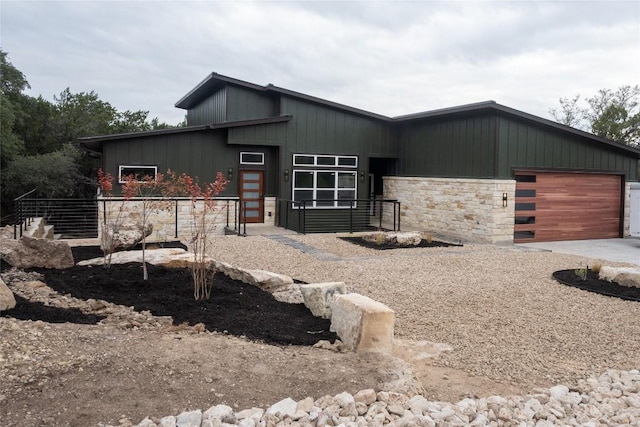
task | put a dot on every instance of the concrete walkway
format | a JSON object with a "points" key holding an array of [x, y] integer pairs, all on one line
{"points": [[622, 250]]}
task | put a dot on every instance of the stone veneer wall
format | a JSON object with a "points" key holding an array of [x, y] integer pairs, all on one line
{"points": [[456, 208], [163, 216]]}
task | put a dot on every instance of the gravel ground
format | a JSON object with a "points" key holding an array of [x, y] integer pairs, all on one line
{"points": [[498, 307]]}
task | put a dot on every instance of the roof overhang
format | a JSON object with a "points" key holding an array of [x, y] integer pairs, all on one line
{"points": [[94, 143]]}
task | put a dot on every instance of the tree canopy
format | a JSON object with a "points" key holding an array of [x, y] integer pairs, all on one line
{"points": [[614, 115], [38, 147]]}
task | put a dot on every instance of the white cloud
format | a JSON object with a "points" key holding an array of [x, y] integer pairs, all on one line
{"points": [[387, 57]]}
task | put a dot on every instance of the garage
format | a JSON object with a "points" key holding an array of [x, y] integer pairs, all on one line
{"points": [[567, 206]]}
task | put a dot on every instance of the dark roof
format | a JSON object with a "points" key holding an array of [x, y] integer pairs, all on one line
{"points": [[215, 81], [494, 106], [94, 143]]}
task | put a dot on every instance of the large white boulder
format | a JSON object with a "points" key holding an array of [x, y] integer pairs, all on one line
{"points": [[7, 300], [624, 276], [30, 252], [411, 238], [319, 296]]}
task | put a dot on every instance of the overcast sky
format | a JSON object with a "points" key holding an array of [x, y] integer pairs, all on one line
{"points": [[391, 58]]}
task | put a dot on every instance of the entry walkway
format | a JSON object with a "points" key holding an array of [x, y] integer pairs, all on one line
{"points": [[621, 250]]}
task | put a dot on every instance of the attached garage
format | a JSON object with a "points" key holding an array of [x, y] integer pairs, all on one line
{"points": [[567, 206]]}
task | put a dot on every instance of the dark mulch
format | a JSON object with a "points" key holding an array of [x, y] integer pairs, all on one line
{"points": [[234, 308], [423, 244], [32, 310], [593, 284]]}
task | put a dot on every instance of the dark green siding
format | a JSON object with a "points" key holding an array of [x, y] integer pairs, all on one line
{"points": [[460, 147], [200, 154], [244, 104], [211, 110], [268, 134], [523, 145]]}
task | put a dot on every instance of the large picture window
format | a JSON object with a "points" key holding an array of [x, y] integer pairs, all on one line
{"points": [[324, 188]]}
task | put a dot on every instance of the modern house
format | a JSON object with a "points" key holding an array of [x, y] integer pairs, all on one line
{"points": [[479, 172]]}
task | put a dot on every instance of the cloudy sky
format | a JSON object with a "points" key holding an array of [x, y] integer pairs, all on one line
{"points": [[389, 57]]}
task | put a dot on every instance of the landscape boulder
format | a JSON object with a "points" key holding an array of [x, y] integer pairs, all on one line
{"points": [[395, 238], [624, 276], [124, 237], [30, 252], [7, 300], [263, 279], [318, 297], [362, 324]]}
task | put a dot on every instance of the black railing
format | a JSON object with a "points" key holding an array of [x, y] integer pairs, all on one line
{"points": [[21, 218], [333, 216], [78, 218]]}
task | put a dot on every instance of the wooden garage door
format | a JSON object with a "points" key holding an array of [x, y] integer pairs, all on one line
{"points": [[566, 206]]}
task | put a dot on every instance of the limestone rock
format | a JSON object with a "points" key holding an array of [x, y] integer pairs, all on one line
{"points": [[286, 406], [318, 297], [152, 256], [7, 300], [189, 419], [410, 238], [263, 279], [362, 323], [621, 275], [44, 253], [124, 237]]}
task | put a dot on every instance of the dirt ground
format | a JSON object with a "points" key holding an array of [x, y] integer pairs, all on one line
{"points": [[156, 352]]}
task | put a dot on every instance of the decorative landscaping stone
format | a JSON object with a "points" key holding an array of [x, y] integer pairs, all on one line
{"points": [[178, 257], [263, 279], [126, 236], [7, 300], [318, 297], [621, 275], [362, 323], [411, 238], [30, 252]]}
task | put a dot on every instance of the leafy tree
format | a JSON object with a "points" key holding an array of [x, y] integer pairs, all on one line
{"points": [[12, 83], [614, 115], [52, 174]]}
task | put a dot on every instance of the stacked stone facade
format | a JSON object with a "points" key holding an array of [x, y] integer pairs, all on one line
{"points": [[626, 231], [167, 225], [469, 210]]}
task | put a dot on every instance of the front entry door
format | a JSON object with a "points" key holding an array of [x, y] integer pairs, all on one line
{"points": [[251, 196]]}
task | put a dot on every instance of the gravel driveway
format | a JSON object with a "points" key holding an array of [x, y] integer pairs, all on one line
{"points": [[498, 307]]}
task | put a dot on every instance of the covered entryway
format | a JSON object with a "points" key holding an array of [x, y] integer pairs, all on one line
{"points": [[553, 206]]}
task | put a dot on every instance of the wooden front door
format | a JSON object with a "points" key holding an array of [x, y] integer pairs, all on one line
{"points": [[252, 196]]}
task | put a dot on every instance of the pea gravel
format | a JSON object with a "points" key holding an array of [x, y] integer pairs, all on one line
{"points": [[498, 307]]}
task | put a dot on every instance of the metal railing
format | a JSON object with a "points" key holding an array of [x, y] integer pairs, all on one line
{"points": [[79, 218], [333, 216]]}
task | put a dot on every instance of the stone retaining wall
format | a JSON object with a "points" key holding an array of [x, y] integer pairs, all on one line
{"points": [[456, 208], [163, 216]]}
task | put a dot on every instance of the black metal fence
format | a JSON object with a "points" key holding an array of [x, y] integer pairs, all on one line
{"points": [[79, 218], [322, 216]]}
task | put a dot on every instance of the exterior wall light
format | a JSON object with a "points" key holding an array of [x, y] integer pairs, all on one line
{"points": [[286, 175], [230, 174], [504, 199], [361, 176]]}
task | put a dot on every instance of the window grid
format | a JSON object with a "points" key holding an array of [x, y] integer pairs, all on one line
{"points": [[340, 192], [323, 160]]}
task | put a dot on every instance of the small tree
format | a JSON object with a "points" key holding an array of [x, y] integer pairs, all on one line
{"points": [[148, 190], [109, 225], [204, 211]]}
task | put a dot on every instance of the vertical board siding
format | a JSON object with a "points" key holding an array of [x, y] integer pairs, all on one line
{"points": [[244, 104], [211, 110], [522, 144], [200, 154], [462, 147]]}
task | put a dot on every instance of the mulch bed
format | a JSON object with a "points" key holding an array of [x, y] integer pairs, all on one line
{"points": [[235, 308], [593, 284], [423, 244]]}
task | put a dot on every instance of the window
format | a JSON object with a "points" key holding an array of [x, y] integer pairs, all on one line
{"points": [[251, 158], [327, 189], [140, 172], [325, 161], [324, 180]]}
